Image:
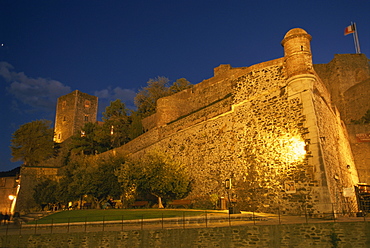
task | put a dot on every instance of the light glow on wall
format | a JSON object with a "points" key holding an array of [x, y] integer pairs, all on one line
{"points": [[292, 149]]}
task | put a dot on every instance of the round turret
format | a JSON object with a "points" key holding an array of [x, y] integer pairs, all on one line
{"points": [[297, 52]]}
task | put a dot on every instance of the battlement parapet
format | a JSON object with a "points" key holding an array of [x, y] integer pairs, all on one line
{"points": [[201, 95]]}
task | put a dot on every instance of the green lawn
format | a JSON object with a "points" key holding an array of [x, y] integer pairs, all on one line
{"points": [[118, 214]]}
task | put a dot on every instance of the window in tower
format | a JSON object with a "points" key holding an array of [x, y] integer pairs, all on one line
{"points": [[87, 104], [2, 182], [86, 118]]}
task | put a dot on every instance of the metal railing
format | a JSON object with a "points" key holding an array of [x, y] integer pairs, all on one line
{"points": [[208, 219]]}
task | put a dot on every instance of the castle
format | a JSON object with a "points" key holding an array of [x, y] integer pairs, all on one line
{"points": [[280, 130]]}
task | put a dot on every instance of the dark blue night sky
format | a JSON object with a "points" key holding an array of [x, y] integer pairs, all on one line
{"points": [[112, 48]]}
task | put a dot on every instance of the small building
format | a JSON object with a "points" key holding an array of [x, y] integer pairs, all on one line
{"points": [[9, 188]]}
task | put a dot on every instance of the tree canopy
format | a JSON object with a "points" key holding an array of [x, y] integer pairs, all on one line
{"points": [[157, 174], [90, 140], [83, 176], [100, 137], [45, 192], [96, 178], [117, 123], [33, 142], [146, 98]]}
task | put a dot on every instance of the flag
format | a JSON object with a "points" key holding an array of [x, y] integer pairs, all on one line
{"points": [[349, 30]]}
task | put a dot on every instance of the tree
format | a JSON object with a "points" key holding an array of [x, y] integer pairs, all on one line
{"points": [[64, 192], [146, 98], [97, 179], [97, 138], [129, 174], [136, 127], [45, 193], [89, 141], [116, 123], [156, 174], [33, 142], [180, 85]]}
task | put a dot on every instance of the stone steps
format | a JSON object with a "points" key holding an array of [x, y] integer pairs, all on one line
{"points": [[34, 216]]}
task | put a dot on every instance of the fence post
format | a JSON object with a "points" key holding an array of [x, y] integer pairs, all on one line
{"points": [[103, 222], [7, 227], [122, 224], [279, 215], [142, 222], [51, 227], [85, 223], [229, 219], [162, 220], [206, 220], [6, 235], [68, 225], [35, 226]]}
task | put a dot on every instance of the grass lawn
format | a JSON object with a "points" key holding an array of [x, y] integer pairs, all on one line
{"points": [[118, 214]]}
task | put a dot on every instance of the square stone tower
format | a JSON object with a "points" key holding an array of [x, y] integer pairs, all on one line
{"points": [[73, 111]]}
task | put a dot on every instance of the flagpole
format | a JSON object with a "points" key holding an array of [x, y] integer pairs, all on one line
{"points": [[353, 26], [355, 36]]}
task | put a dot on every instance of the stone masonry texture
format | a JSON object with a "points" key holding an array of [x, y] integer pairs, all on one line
{"points": [[252, 129], [73, 111]]}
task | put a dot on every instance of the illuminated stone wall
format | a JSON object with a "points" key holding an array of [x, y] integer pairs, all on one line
{"points": [[259, 141], [215, 89], [347, 77], [8, 186], [360, 150], [270, 127], [337, 159], [275, 129], [29, 178]]}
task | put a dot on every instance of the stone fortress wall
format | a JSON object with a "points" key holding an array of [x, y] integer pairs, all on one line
{"points": [[265, 126], [348, 78], [277, 129], [30, 176]]}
